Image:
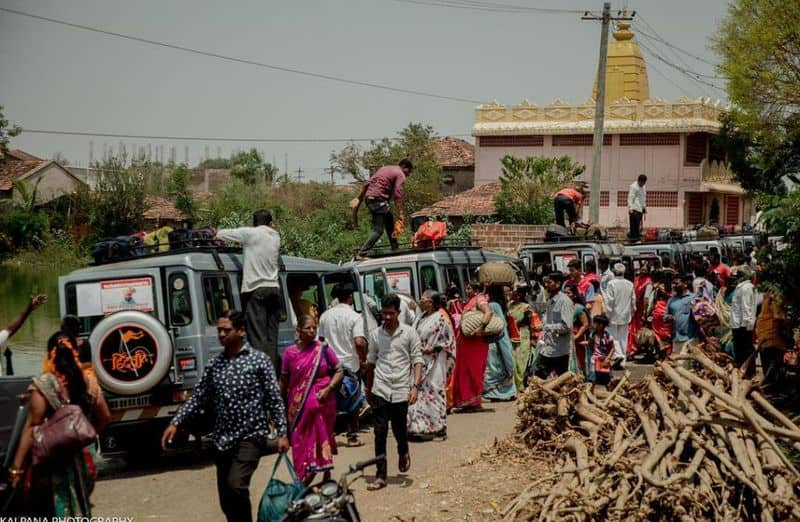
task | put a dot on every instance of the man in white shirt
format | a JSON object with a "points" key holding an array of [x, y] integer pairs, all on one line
{"points": [[620, 301], [343, 329], [260, 288], [637, 208], [17, 323], [395, 354], [606, 275], [743, 318]]}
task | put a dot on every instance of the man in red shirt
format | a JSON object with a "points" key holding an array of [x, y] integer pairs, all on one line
{"points": [[386, 184], [570, 201], [719, 268]]}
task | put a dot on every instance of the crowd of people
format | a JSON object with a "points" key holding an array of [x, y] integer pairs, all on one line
{"points": [[414, 370]]}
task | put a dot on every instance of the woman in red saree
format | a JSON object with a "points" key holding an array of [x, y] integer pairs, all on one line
{"points": [[310, 375], [471, 355], [642, 287]]}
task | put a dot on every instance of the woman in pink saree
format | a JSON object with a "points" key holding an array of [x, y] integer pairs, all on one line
{"points": [[310, 375]]}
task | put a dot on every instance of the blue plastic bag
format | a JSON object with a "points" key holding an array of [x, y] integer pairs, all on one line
{"points": [[278, 495]]}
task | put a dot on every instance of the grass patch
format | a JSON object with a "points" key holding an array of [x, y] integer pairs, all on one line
{"points": [[53, 252]]}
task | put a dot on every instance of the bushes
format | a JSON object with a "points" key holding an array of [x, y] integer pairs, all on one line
{"points": [[526, 185]]}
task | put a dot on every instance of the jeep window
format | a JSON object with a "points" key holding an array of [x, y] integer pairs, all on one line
{"points": [[304, 294], [180, 304], [84, 299], [400, 281], [540, 265], [332, 280], [427, 274], [452, 279], [217, 294]]}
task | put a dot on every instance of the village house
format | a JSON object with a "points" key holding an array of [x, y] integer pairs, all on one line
{"points": [[50, 179], [457, 159], [669, 142]]}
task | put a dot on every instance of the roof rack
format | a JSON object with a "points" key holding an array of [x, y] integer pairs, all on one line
{"points": [[408, 248], [565, 239], [152, 251]]}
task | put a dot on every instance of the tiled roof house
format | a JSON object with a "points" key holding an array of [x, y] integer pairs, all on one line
{"points": [[457, 158], [53, 180]]}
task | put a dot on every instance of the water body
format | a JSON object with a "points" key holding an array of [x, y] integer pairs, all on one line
{"points": [[17, 285]]}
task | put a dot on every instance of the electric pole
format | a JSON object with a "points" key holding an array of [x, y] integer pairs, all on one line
{"points": [[331, 171], [299, 174], [600, 102]]}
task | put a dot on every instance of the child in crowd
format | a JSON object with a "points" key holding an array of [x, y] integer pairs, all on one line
{"points": [[601, 344]]}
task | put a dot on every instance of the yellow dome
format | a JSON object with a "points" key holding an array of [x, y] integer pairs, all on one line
{"points": [[626, 72]]}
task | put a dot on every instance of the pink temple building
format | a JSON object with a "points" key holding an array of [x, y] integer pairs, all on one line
{"points": [[669, 142]]}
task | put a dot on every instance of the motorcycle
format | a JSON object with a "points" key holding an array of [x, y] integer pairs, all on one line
{"points": [[330, 501]]}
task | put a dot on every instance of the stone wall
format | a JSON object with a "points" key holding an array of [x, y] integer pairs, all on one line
{"points": [[508, 238]]}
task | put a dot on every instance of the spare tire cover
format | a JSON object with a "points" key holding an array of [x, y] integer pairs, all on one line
{"points": [[131, 352]]}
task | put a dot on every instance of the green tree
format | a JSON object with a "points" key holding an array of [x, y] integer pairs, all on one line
{"points": [[758, 43], [250, 167], [414, 142], [6, 132], [117, 204], [179, 190], [526, 185]]}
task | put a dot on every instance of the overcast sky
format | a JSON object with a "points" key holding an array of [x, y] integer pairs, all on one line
{"points": [[55, 77]]}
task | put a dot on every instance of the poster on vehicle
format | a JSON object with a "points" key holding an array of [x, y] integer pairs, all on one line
{"points": [[126, 294], [399, 282], [562, 260]]}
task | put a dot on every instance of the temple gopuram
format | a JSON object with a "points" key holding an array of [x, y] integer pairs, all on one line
{"points": [[669, 142]]}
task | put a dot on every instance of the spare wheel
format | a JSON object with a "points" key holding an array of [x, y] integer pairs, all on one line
{"points": [[131, 352]]}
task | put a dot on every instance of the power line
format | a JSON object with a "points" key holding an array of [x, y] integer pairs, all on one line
{"points": [[490, 7], [657, 37], [670, 80], [243, 60], [210, 139], [678, 68], [698, 74]]}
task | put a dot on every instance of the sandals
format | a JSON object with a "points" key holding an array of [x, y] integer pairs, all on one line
{"points": [[376, 485], [354, 443], [405, 463]]}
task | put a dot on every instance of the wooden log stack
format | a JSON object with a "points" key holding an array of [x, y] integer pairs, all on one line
{"points": [[693, 441]]}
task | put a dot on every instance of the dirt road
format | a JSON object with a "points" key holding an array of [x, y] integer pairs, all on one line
{"points": [[448, 480]]}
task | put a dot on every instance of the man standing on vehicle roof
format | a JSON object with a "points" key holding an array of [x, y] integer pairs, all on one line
{"points": [[240, 387], [570, 201], [385, 184], [260, 289], [637, 198]]}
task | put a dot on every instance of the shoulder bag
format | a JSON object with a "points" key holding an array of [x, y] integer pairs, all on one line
{"points": [[67, 428]]}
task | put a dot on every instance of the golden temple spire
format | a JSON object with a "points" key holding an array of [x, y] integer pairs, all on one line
{"points": [[626, 72]]}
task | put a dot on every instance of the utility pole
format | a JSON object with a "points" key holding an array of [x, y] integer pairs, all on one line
{"points": [[299, 174], [330, 171], [600, 102]]}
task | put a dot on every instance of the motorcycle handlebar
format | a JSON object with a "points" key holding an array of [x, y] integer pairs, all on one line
{"points": [[358, 466]]}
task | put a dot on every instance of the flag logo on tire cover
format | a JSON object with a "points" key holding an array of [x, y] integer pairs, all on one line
{"points": [[129, 353]]}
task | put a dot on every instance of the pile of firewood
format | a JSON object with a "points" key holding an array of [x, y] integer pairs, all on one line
{"points": [[693, 441]]}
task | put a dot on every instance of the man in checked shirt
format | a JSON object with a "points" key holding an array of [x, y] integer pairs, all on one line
{"points": [[240, 387]]}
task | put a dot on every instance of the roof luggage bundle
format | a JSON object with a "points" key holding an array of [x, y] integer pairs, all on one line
{"points": [[496, 273]]}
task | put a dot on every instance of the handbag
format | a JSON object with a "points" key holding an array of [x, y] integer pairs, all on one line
{"points": [[68, 428], [278, 495]]}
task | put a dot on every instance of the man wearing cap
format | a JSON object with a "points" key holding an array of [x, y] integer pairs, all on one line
{"points": [[620, 303], [568, 200], [386, 184]]}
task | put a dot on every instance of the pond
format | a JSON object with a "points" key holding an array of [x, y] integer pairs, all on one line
{"points": [[17, 285]]}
